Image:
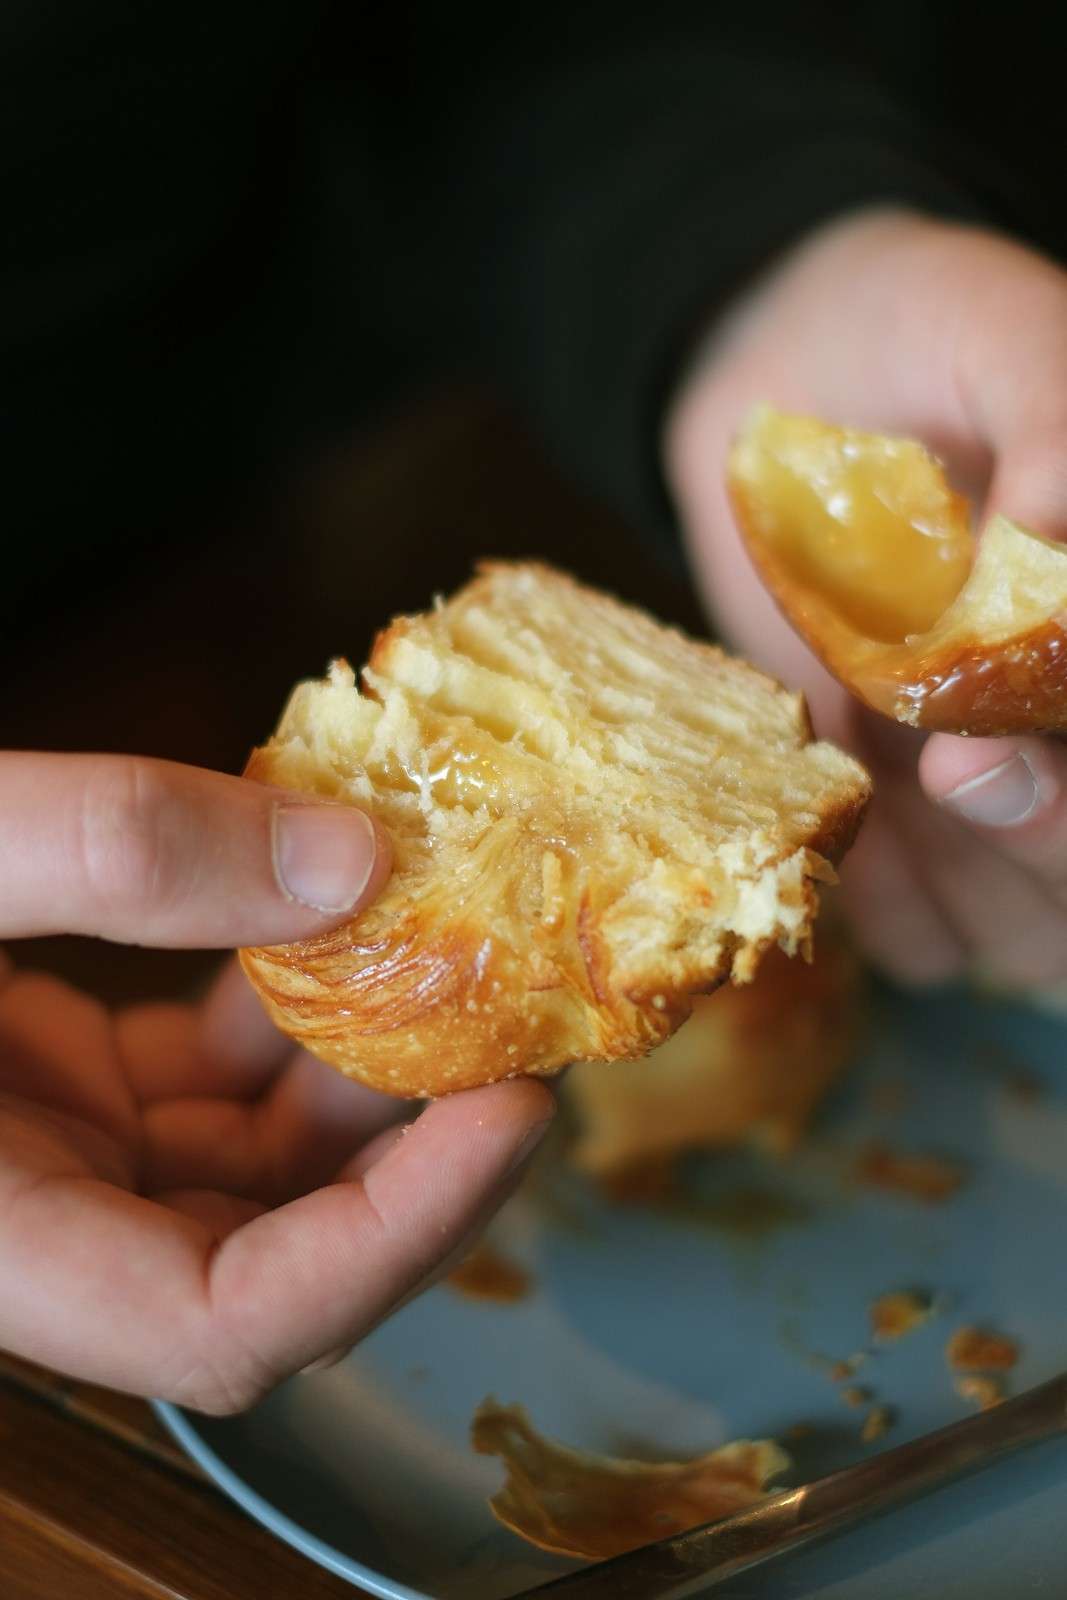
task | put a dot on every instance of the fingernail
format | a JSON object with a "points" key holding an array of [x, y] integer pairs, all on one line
{"points": [[323, 855], [1000, 798]]}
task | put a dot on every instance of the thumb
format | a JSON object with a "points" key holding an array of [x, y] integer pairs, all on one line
{"points": [[1030, 483], [1011, 377], [150, 852], [1014, 792]]}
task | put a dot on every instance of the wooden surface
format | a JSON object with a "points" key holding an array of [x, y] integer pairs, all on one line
{"points": [[188, 652], [97, 1503]]}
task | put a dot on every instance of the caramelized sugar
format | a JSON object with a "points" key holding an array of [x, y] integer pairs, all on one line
{"points": [[987, 691], [870, 556], [866, 521]]}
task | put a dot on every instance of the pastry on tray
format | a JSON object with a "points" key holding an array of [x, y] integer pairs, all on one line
{"points": [[750, 1066]]}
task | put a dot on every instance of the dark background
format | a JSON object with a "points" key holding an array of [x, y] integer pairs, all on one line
{"points": [[288, 296], [190, 652]]}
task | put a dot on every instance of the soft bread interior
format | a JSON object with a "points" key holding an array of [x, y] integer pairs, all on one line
{"points": [[626, 813]]}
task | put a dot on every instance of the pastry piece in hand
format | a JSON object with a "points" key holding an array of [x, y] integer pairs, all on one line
{"points": [[593, 817], [750, 1065], [871, 557], [580, 1504]]}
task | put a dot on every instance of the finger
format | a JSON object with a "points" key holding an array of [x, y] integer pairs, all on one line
{"points": [[1030, 485], [57, 1045], [220, 1214], [159, 1050], [317, 1275], [1013, 793], [227, 1047], [296, 1137], [981, 893], [151, 852], [314, 1118], [154, 1303], [361, 1163], [368, 1155], [238, 1036], [894, 920], [1018, 405]]}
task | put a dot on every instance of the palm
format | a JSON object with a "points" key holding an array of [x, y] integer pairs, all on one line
{"points": [[191, 1208]]}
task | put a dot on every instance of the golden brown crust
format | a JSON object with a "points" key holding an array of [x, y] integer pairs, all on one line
{"points": [[1018, 685], [563, 885], [982, 687], [993, 662]]}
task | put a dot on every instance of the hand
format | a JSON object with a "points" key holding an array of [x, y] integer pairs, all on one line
{"points": [[899, 324], [190, 1207]]}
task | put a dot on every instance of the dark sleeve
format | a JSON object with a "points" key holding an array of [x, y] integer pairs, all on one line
{"points": [[605, 207]]}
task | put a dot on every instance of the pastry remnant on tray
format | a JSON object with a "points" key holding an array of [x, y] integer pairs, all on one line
{"points": [[846, 1367], [487, 1274], [580, 1504], [876, 1424], [871, 557], [593, 818], [898, 1313], [984, 1391], [750, 1065], [931, 1179], [979, 1350]]}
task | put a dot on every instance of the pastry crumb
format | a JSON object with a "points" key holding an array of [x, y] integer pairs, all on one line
{"points": [[930, 1179], [488, 1275], [898, 1313], [855, 1396], [979, 1350], [839, 1371], [985, 1391], [877, 1422]]}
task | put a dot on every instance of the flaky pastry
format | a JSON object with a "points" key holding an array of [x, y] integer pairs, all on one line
{"points": [[871, 557], [593, 817]]}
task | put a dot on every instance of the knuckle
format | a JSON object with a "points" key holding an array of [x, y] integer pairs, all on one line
{"points": [[129, 837], [222, 1372], [223, 1381], [213, 1395]]}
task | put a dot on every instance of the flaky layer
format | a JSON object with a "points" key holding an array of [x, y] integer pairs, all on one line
{"points": [[593, 818]]}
